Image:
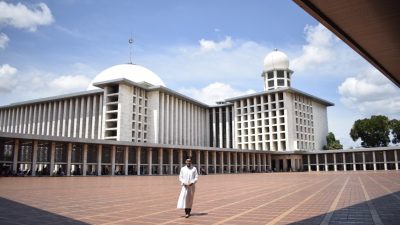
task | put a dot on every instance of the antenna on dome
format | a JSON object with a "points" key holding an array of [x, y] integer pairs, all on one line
{"points": [[130, 41]]}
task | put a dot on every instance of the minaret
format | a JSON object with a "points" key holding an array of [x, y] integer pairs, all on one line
{"points": [[276, 72]]}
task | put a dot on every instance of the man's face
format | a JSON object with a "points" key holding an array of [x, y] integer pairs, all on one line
{"points": [[188, 162]]}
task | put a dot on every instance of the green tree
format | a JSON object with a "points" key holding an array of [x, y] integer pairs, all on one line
{"points": [[395, 127], [373, 132], [332, 143]]}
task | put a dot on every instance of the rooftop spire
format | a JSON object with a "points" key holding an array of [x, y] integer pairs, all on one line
{"points": [[130, 41]]}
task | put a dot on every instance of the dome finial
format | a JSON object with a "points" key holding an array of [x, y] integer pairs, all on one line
{"points": [[275, 49], [130, 41]]}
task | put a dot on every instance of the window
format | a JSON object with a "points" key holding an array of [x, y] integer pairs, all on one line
{"points": [[270, 83], [281, 82], [280, 74], [270, 75]]}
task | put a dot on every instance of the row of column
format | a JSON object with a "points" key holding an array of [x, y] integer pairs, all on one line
{"points": [[75, 117], [221, 127], [235, 161], [182, 122], [353, 162]]}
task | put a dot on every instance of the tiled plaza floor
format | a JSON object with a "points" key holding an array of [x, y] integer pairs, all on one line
{"points": [[270, 198]]}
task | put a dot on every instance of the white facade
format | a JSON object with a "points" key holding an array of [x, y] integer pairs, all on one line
{"points": [[130, 107]]}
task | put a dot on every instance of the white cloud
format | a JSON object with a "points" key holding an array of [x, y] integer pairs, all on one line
{"points": [[210, 45], [3, 40], [371, 93], [214, 92], [25, 17], [7, 78], [69, 83], [241, 65], [318, 50]]}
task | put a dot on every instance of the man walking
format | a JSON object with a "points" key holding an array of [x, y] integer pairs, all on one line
{"points": [[188, 177]]}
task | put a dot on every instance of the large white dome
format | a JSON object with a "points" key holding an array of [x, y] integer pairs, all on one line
{"points": [[130, 72], [276, 60]]}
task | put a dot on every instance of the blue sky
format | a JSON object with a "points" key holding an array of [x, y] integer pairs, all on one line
{"points": [[208, 50]]}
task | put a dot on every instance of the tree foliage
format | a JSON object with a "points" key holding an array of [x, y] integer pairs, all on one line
{"points": [[395, 126], [373, 132], [332, 143]]}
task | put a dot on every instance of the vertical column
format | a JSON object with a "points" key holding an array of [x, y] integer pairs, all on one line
{"points": [[248, 162], [113, 150], [284, 165], [241, 162], [162, 115], [138, 155], [85, 150], [214, 128], [354, 161], [374, 159], [69, 152], [227, 125], [171, 161], [99, 152], [87, 116], [220, 133], [253, 157], [15, 159], [160, 161], [126, 160], [326, 162], [214, 156], [384, 160], [293, 164], [364, 165], [150, 161], [334, 162], [34, 157], [206, 160], [221, 161], [184, 123], [344, 161], [309, 163], [259, 161], [317, 161], [52, 157], [229, 161], [172, 121], [180, 158], [396, 160], [166, 120], [198, 152], [235, 164], [264, 156], [269, 158]]}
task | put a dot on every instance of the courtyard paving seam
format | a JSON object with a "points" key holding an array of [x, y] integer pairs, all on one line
{"points": [[287, 212], [240, 201], [375, 216], [334, 204], [385, 188], [174, 209], [267, 203]]}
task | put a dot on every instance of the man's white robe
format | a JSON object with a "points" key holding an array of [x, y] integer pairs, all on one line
{"points": [[187, 176]]}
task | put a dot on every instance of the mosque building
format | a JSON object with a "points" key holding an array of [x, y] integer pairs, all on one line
{"points": [[129, 122]]}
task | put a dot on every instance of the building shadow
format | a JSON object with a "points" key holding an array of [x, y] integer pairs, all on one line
{"points": [[12, 213], [387, 207]]}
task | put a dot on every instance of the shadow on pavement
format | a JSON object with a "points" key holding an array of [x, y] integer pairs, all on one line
{"points": [[387, 207], [12, 212]]}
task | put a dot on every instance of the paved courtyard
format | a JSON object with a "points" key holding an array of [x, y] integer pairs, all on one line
{"points": [[274, 198]]}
